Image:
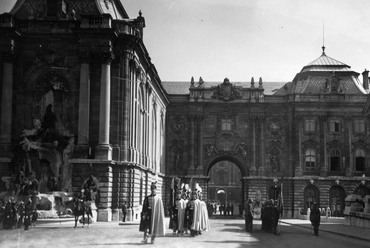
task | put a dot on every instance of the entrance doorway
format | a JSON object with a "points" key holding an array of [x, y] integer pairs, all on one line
{"points": [[225, 188]]}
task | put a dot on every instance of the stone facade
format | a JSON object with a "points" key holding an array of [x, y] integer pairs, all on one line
{"points": [[117, 121], [312, 133], [87, 60]]}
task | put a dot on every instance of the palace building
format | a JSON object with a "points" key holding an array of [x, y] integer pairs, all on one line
{"points": [[80, 96]]}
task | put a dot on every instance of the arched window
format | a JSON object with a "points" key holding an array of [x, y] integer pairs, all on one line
{"points": [[359, 126], [311, 195], [334, 160], [226, 125], [310, 159], [154, 141], [360, 160], [309, 126], [336, 195]]}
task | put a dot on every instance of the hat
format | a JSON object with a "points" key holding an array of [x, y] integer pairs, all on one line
{"points": [[153, 185]]}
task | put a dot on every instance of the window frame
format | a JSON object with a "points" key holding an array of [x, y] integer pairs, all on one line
{"points": [[333, 128], [309, 126]]}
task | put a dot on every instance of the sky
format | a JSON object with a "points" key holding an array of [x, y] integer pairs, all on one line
{"points": [[240, 39]]}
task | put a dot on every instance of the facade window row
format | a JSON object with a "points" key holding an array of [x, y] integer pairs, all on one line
{"points": [[335, 160], [334, 126]]}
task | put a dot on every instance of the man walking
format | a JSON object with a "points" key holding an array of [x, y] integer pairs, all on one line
{"points": [[124, 211], [152, 217], [315, 219]]}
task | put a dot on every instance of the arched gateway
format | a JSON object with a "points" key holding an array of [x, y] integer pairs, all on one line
{"points": [[226, 186]]}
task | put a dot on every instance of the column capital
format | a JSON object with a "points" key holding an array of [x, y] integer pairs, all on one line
{"points": [[107, 57], [84, 57], [8, 56]]}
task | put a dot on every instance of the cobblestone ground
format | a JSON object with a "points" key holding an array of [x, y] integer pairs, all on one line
{"points": [[224, 233]]}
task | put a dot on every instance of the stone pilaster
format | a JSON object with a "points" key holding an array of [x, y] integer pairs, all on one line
{"points": [[299, 131], [104, 149], [200, 146], [253, 169], [261, 168], [126, 86], [82, 148], [6, 105], [191, 144], [349, 167], [323, 146]]}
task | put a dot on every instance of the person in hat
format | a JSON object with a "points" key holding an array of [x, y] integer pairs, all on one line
{"points": [[249, 216], [315, 219], [152, 216]]}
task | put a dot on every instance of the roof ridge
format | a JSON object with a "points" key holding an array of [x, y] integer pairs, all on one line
{"points": [[325, 60]]}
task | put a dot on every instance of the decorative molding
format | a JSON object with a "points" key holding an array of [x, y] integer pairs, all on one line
{"points": [[226, 91]]}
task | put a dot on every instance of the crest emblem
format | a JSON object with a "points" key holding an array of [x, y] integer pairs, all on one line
{"points": [[226, 91]]}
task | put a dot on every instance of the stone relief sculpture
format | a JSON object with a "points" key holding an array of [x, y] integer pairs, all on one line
{"points": [[43, 154], [178, 149]]}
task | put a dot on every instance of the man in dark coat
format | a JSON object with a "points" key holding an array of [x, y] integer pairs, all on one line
{"points": [[248, 216], [124, 211], [315, 219]]}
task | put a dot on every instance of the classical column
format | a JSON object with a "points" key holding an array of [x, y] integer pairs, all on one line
{"points": [[104, 150], [6, 103], [261, 168], [191, 142], [253, 169], [84, 108]]}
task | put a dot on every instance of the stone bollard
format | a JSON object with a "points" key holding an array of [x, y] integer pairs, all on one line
{"points": [[366, 200], [308, 213]]}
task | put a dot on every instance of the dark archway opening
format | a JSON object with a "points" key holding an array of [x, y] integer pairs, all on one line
{"points": [[226, 188]]}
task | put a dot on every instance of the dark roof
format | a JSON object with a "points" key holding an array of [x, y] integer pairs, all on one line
{"points": [[317, 84], [326, 63], [23, 9], [182, 88]]}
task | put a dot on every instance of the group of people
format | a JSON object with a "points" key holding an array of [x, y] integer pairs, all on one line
{"points": [[188, 214], [270, 214], [17, 214]]}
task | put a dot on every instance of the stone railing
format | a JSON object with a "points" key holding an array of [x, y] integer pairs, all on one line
{"points": [[357, 211]]}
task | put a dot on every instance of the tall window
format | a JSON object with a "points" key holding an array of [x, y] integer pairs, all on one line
{"points": [[336, 195], [309, 126], [334, 160], [334, 126], [359, 126], [310, 159], [360, 160], [226, 124]]}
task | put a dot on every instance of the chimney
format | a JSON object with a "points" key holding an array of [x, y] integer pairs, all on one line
{"points": [[365, 79]]}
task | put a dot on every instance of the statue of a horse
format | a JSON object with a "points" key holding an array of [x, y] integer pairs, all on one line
{"points": [[81, 208]]}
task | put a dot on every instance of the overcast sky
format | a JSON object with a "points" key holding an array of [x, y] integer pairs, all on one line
{"points": [[240, 39]]}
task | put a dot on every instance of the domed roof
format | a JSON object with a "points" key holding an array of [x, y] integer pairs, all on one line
{"points": [[325, 63], [315, 78]]}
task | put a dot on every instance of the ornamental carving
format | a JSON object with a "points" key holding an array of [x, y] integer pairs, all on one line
{"points": [[309, 143], [275, 127], [177, 148], [211, 150], [226, 91], [359, 144], [51, 81], [178, 124], [334, 144]]}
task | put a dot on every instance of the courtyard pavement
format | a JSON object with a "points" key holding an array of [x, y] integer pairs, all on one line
{"points": [[224, 233]]}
